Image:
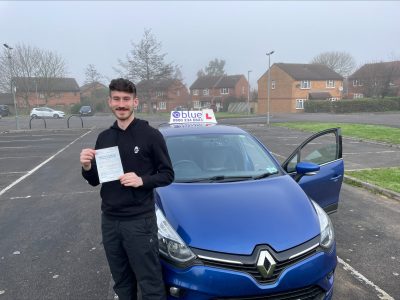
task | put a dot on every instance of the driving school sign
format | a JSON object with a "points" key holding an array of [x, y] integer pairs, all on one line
{"points": [[194, 116]]}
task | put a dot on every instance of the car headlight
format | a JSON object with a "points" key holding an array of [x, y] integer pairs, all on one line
{"points": [[326, 227], [170, 244]]}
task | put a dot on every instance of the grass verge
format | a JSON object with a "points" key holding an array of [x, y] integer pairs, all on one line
{"points": [[388, 178], [362, 131]]}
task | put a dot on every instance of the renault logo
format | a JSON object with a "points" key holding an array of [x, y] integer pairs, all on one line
{"points": [[266, 264]]}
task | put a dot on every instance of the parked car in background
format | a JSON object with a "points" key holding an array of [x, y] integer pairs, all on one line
{"points": [[46, 112], [236, 224], [4, 110], [86, 110]]}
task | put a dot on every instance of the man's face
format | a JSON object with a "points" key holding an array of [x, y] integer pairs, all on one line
{"points": [[122, 104]]}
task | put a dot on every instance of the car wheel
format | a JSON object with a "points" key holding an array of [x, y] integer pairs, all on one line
{"points": [[34, 116], [56, 116]]}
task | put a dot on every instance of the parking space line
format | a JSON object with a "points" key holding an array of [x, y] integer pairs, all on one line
{"points": [[381, 293], [5, 173], [19, 157], [40, 165], [372, 152]]}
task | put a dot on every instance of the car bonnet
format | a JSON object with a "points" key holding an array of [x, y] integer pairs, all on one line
{"points": [[235, 217]]}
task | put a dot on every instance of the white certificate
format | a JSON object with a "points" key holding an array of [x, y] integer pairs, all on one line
{"points": [[109, 166]]}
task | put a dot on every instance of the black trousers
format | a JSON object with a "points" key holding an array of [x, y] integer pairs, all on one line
{"points": [[132, 252]]}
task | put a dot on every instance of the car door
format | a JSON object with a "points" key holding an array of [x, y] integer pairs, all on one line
{"points": [[325, 149]]}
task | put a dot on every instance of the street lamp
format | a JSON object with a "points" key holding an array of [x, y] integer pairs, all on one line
{"points": [[269, 83], [248, 92], [12, 87]]}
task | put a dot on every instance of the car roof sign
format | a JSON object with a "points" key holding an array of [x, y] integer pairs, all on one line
{"points": [[205, 116]]}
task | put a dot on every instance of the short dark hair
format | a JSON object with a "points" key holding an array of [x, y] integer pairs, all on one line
{"points": [[122, 85]]}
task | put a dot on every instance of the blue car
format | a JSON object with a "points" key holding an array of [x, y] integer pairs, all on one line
{"points": [[236, 224]]}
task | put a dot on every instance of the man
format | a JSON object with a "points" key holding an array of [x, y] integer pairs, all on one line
{"points": [[129, 224]]}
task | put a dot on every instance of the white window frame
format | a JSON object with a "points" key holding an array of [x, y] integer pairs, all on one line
{"points": [[41, 96], [273, 84], [358, 96], [334, 99], [196, 104], [300, 103], [195, 92], [206, 92], [224, 91], [162, 105], [305, 84], [178, 93], [357, 82], [159, 93], [330, 83]]}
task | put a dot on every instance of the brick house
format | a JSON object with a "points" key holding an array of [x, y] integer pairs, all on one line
{"points": [[87, 90], [213, 91], [375, 80], [161, 95], [60, 93], [293, 84]]}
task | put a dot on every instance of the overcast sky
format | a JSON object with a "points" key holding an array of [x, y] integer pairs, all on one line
{"points": [[193, 33]]}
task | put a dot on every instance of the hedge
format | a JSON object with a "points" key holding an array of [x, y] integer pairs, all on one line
{"points": [[350, 106]]}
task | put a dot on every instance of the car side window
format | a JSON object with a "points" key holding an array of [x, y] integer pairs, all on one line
{"points": [[321, 150]]}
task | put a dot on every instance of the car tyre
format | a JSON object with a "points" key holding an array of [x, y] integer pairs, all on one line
{"points": [[56, 116], [34, 116]]}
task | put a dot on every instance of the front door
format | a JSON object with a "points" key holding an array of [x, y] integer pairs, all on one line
{"points": [[325, 149]]}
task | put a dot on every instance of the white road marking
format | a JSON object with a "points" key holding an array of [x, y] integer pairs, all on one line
{"points": [[381, 293], [19, 157], [39, 140], [276, 154], [26, 197], [373, 152], [40, 165], [5, 173]]}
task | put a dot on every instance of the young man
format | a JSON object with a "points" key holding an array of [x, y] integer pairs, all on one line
{"points": [[129, 225]]}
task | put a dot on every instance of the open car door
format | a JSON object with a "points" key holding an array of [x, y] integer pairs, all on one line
{"points": [[325, 150]]}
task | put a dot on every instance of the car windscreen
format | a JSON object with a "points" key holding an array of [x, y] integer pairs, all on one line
{"points": [[219, 158]]}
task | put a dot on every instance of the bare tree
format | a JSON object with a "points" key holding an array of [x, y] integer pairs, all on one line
{"points": [[215, 68], [341, 62], [377, 79], [92, 75], [30, 67], [145, 61]]}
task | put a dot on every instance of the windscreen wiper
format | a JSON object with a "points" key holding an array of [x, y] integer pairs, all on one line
{"points": [[264, 175], [217, 178]]}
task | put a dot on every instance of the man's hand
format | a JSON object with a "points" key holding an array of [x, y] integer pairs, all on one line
{"points": [[131, 179], [86, 158]]}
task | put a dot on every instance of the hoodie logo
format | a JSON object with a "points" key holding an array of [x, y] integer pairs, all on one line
{"points": [[136, 150]]}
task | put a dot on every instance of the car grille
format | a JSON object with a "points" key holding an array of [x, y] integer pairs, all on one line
{"points": [[253, 270], [308, 293]]}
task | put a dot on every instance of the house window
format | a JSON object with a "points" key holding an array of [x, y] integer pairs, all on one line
{"points": [[196, 104], [178, 93], [159, 94], [305, 84], [162, 105], [195, 92], [357, 82], [206, 92], [242, 90], [41, 95], [333, 99], [273, 84], [300, 103], [330, 83], [358, 96], [224, 91]]}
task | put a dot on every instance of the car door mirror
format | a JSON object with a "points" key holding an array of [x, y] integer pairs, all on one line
{"points": [[305, 168]]}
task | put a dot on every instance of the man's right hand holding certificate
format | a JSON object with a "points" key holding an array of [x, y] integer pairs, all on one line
{"points": [[86, 158]]}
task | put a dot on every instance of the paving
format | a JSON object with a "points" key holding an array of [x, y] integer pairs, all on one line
{"points": [[49, 217]]}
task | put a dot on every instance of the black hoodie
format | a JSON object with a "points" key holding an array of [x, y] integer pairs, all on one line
{"points": [[143, 151]]}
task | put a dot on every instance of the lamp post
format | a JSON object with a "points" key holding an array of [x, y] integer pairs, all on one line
{"points": [[12, 86], [269, 83], [248, 92]]}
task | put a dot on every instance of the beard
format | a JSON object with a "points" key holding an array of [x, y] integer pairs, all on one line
{"points": [[128, 112]]}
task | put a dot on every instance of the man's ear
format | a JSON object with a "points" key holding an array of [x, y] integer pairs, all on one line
{"points": [[135, 102]]}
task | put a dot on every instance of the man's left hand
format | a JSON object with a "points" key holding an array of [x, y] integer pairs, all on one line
{"points": [[131, 179]]}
